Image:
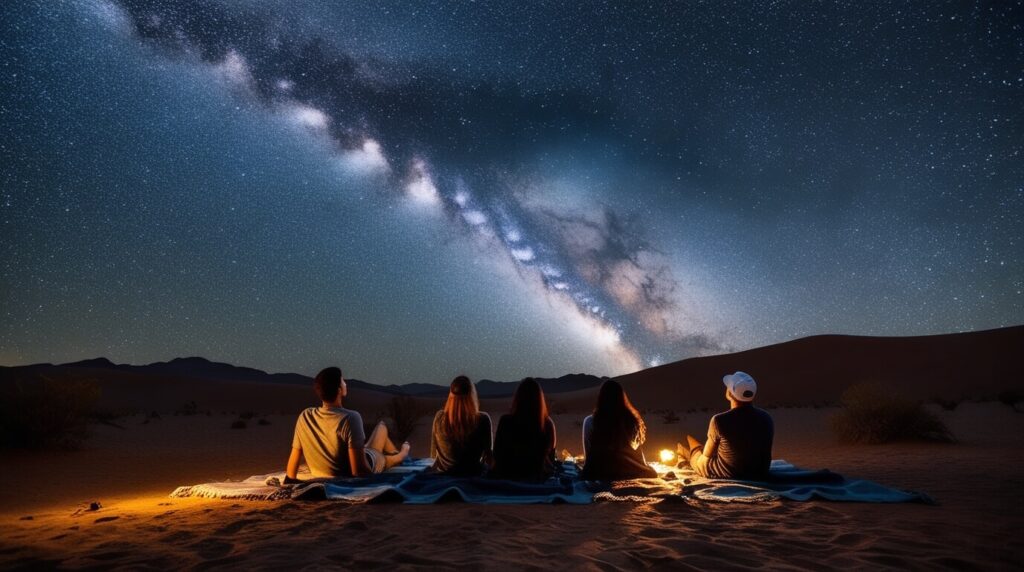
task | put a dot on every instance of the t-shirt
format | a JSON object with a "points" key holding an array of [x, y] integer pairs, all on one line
{"points": [[461, 458], [522, 450], [744, 436], [325, 434], [610, 461]]}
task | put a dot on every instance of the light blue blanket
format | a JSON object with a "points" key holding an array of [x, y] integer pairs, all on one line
{"points": [[409, 483]]}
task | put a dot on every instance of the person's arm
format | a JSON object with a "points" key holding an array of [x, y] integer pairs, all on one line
{"points": [[552, 438], [357, 460], [351, 433], [433, 436], [711, 446], [588, 429], [487, 441], [500, 438], [292, 470]]}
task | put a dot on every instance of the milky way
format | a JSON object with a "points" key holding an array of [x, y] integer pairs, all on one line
{"points": [[644, 184]]}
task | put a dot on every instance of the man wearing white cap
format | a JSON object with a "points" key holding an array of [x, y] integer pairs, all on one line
{"points": [[739, 444]]}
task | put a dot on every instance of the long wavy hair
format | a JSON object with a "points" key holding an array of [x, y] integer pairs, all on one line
{"points": [[616, 421], [462, 409], [528, 404]]}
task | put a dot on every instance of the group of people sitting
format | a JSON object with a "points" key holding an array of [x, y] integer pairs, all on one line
{"points": [[332, 440]]}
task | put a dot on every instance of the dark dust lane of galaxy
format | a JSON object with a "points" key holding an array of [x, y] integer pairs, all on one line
{"points": [[598, 273]]}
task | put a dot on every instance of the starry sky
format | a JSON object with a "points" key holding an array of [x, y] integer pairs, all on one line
{"points": [[412, 190]]}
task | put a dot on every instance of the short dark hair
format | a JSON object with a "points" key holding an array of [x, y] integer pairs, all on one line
{"points": [[328, 383]]}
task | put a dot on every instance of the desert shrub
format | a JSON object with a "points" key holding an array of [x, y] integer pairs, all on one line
{"points": [[670, 417], [404, 412], [946, 404], [188, 408], [263, 421], [37, 413], [238, 424], [1009, 397], [247, 415], [873, 415]]}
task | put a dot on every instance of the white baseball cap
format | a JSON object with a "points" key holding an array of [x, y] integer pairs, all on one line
{"points": [[741, 386]]}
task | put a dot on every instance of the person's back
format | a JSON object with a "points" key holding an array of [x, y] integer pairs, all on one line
{"points": [[460, 457], [612, 437], [739, 444], [745, 437], [325, 434], [522, 450]]}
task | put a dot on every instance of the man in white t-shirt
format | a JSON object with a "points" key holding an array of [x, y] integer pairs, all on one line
{"points": [[332, 440]]}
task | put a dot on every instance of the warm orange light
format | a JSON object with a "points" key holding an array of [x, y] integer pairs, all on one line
{"points": [[667, 456]]}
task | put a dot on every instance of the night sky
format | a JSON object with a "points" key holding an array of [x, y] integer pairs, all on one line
{"points": [[412, 190]]}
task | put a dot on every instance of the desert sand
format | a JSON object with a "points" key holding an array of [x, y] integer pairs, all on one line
{"points": [[976, 524]]}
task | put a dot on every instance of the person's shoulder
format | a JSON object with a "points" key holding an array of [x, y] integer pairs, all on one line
{"points": [[351, 414], [484, 417], [439, 415], [763, 413]]}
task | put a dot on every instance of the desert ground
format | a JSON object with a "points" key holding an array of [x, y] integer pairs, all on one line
{"points": [[131, 469]]}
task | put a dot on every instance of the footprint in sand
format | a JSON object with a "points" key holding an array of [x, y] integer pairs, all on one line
{"points": [[235, 526], [211, 548], [105, 519]]}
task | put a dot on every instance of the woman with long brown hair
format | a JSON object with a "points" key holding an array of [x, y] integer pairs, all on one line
{"points": [[524, 444], [612, 437], [460, 441]]}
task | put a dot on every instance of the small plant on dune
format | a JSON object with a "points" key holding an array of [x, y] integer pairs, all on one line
{"points": [[946, 404], [1009, 397], [670, 417], [872, 415], [404, 412], [247, 415], [188, 408], [263, 421], [238, 424], [38, 413]]}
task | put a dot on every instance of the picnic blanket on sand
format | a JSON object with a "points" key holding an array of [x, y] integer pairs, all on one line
{"points": [[409, 483]]}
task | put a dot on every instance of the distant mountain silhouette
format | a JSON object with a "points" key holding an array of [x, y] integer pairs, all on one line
{"points": [[198, 368], [807, 371]]}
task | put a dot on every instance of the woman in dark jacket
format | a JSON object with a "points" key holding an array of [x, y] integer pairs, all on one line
{"points": [[612, 437], [524, 445]]}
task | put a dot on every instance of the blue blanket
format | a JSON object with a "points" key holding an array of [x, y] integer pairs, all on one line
{"points": [[410, 484]]}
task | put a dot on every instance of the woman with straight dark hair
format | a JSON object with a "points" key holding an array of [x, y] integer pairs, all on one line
{"points": [[460, 441], [524, 444], [612, 437]]}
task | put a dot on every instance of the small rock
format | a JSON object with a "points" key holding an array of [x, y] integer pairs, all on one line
{"points": [[28, 517]]}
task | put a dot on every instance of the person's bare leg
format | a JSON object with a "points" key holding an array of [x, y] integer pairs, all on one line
{"points": [[380, 441], [391, 460], [378, 438]]}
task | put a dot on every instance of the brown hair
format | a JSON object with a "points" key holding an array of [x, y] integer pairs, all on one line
{"points": [[327, 384], [616, 421], [529, 405], [462, 409]]}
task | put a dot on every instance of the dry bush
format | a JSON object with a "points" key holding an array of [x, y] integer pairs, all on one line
{"points": [[670, 417], [38, 413], [870, 414], [1009, 397], [239, 424], [404, 412]]}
